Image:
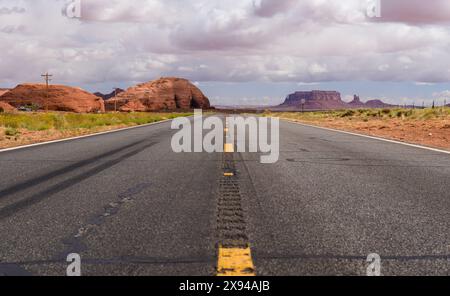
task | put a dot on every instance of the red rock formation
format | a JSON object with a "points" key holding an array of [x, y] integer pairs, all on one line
{"points": [[5, 107], [60, 98], [163, 94]]}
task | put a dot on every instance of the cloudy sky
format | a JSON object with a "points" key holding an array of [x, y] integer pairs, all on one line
{"points": [[237, 51]]}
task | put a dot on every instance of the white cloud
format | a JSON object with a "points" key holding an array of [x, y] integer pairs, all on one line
{"points": [[443, 94], [420, 83], [212, 40]]}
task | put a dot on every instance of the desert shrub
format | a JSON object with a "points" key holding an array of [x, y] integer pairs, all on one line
{"points": [[404, 113], [348, 113], [34, 107], [11, 132]]}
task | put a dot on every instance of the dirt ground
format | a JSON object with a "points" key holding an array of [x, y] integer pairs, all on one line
{"points": [[432, 132]]}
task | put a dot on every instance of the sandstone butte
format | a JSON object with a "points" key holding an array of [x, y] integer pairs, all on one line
{"points": [[164, 94], [60, 98]]}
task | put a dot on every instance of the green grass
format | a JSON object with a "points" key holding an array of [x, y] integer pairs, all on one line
{"points": [[69, 121], [367, 114]]}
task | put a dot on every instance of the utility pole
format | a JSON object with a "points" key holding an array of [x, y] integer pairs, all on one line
{"points": [[47, 80]]}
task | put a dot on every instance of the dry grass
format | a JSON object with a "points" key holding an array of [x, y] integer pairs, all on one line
{"points": [[26, 128]]}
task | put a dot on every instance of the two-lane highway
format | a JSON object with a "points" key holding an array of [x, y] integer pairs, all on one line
{"points": [[124, 201], [130, 206]]}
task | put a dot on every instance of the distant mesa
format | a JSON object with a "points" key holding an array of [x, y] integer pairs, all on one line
{"points": [[325, 100], [110, 95], [314, 100], [58, 98], [164, 94]]}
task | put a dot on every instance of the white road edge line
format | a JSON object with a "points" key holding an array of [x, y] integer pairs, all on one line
{"points": [[85, 136], [369, 137]]}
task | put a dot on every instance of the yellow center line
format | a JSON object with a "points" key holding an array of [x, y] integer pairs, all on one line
{"points": [[229, 148], [235, 262]]}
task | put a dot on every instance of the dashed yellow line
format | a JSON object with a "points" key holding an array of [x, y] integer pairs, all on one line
{"points": [[235, 262], [229, 148]]}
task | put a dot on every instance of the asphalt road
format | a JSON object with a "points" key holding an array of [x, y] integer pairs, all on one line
{"points": [[130, 206]]}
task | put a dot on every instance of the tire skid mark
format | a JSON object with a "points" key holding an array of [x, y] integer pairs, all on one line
{"points": [[74, 243], [13, 208]]}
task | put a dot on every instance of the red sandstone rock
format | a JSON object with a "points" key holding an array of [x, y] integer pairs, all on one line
{"points": [[5, 107], [163, 94], [60, 98]]}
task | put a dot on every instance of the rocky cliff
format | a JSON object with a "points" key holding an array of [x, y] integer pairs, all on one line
{"points": [[60, 98], [164, 94]]}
